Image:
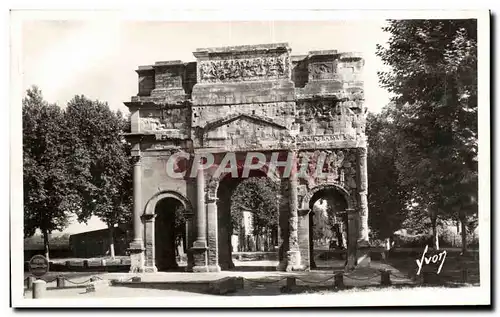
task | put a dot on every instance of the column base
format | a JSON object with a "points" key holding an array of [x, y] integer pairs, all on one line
{"points": [[200, 257], [150, 269], [351, 261], [293, 261], [200, 269], [214, 268], [281, 266], [137, 261]]}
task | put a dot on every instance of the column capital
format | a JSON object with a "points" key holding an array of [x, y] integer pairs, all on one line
{"points": [[211, 199], [362, 151], [136, 160], [351, 213], [148, 217]]}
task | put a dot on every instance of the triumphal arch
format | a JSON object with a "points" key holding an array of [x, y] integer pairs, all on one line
{"points": [[299, 120]]}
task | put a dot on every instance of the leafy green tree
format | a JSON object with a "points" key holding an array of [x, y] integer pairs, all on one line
{"points": [[388, 198], [101, 163], [48, 200], [258, 195], [433, 79], [322, 226]]}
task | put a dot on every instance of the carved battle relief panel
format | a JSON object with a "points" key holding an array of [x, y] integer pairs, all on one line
{"points": [[328, 167], [322, 71], [244, 69], [173, 120], [335, 119]]}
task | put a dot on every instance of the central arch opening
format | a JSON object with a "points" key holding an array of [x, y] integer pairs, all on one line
{"points": [[170, 235], [327, 229], [248, 214]]}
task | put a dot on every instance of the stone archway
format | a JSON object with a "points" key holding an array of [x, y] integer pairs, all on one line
{"points": [[340, 205], [160, 232], [219, 191], [305, 203]]}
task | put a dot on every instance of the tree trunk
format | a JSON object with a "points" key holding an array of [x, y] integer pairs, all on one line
{"points": [[111, 230], [46, 244], [463, 222], [435, 236]]}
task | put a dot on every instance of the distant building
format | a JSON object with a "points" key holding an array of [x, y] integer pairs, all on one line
{"points": [[56, 250], [96, 243]]}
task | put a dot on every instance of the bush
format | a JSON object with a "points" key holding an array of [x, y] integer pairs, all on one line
{"points": [[377, 243], [417, 241], [447, 238]]}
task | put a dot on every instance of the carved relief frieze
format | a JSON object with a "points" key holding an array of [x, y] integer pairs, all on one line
{"points": [[244, 69], [322, 71]]}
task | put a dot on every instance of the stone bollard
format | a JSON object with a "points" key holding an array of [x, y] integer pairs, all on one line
{"points": [[385, 277], [291, 281], [85, 264], [60, 282], [239, 282], [30, 281], [429, 278], [39, 288], [465, 275], [339, 281], [103, 262]]}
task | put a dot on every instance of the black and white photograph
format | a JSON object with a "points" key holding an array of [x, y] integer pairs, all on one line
{"points": [[193, 159]]}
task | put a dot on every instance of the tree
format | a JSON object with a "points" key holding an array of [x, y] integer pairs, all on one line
{"points": [[258, 195], [321, 223], [388, 198], [433, 79], [48, 200], [101, 163]]}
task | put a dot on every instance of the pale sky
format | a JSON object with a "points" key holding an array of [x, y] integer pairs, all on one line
{"points": [[98, 58]]}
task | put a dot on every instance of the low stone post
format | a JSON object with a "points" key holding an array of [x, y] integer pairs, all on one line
{"points": [[429, 278], [465, 275], [39, 288], [291, 282], [31, 279], [385, 277], [60, 282], [339, 280]]}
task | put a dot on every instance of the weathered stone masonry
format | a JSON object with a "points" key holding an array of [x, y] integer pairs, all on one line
{"points": [[241, 99]]}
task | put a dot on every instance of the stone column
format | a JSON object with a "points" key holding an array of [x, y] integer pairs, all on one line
{"points": [[213, 235], [199, 248], [363, 239], [283, 207], [305, 235], [136, 248], [149, 243], [293, 253], [352, 239], [190, 237]]}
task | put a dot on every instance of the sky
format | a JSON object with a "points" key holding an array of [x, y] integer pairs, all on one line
{"points": [[98, 58]]}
